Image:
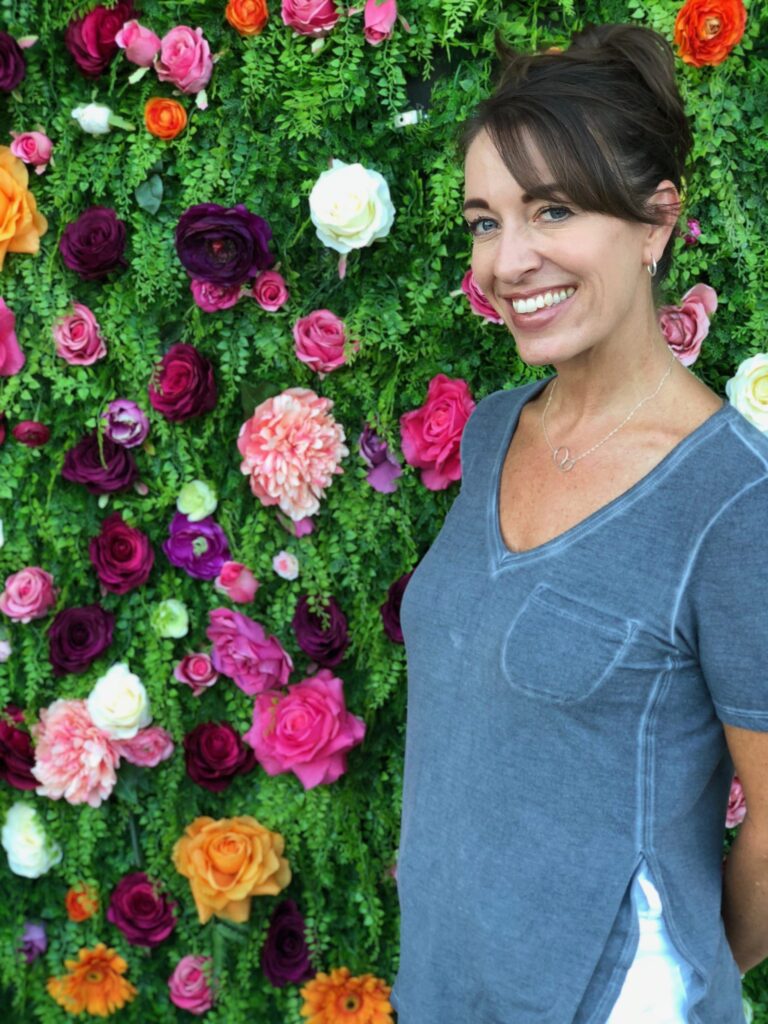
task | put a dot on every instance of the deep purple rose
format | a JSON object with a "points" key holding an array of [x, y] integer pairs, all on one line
{"points": [[183, 384], [121, 555], [17, 755], [215, 754], [324, 636], [34, 941], [78, 636], [200, 548], [384, 467], [285, 956], [142, 913], [390, 610], [93, 245], [83, 465], [13, 67], [125, 423], [91, 39], [223, 245]]}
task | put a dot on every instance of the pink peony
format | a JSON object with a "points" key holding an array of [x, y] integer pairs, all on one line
{"points": [[73, 758], [185, 59], [379, 19], [737, 805], [33, 148], [213, 297], [189, 985], [29, 594], [477, 299], [11, 357], [78, 337], [197, 671], [237, 582], [291, 449], [687, 325], [308, 731], [243, 651], [431, 435], [140, 44], [320, 340], [310, 17], [270, 291], [147, 748]]}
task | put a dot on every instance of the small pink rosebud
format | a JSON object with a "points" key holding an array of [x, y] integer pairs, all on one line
{"points": [[78, 337], [237, 582], [286, 565], [197, 671], [140, 44], [270, 291], [379, 17], [33, 148]]}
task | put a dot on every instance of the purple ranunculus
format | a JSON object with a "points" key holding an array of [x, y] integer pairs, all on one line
{"points": [[13, 67], [91, 39], [200, 548], [214, 754], [324, 637], [223, 245], [390, 610], [34, 941], [17, 754], [93, 245], [111, 469], [77, 636], [141, 911], [285, 956], [384, 467], [125, 423]]}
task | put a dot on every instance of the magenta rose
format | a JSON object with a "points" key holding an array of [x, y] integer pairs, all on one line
{"points": [[270, 290], [29, 594], [17, 754], [237, 582], [125, 423], [34, 148], [13, 67], [243, 651], [196, 671], [686, 326], [31, 433], [11, 356], [94, 244], [190, 985], [100, 468], [121, 555], [185, 59], [319, 341], [213, 297], [308, 731], [91, 39], [477, 300], [379, 17], [140, 44], [141, 911], [78, 337], [78, 636], [214, 754], [390, 610], [183, 385], [431, 435], [737, 805], [323, 635], [285, 957], [147, 748], [310, 17]]}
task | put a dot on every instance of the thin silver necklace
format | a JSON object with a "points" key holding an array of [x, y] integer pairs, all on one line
{"points": [[561, 456]]}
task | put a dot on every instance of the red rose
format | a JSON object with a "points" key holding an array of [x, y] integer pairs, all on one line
{"points": [[215, 754], [121, 555], [183, 384], [31, 433], [431, 435], [91, 39]]}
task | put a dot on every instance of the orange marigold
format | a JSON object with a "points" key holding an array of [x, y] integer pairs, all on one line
{"points": [[248, 16], [20, 224], [165, 119], [95, 983], [81, 902], [337, 998], [707, 30]]}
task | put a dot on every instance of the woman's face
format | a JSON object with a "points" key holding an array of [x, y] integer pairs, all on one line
{"points": [[583, 272]]}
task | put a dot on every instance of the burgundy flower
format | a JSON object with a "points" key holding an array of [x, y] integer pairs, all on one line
{"points": [[121, 555], [200, 548], [13, 67], [142, 913], [223, 245], [17, 755], [324, 636], [91, 39], [285, 958], [390, 610], [215, 754], [78, 636], [93, 245], [183, 384], [100, 471], [31, 433]]}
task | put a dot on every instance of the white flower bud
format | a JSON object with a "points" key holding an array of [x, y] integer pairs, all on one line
{"points": [[93, 118]]}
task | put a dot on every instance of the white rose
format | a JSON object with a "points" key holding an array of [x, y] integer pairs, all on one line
{"points": [[93, 118], [30, 852], [748, 390], [350, 206], [118, 704], [196, 500]]}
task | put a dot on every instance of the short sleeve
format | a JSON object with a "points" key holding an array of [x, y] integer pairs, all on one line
{"points": [[728, 601]]}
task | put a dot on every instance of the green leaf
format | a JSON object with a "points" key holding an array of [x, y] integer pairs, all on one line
{"points": [[149, 195]]}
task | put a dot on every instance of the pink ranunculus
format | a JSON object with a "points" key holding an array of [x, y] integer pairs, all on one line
{"points": [[686, 326], [197, 671], [141, 45], [78, 337], [270, 291], [73, 758], [286, 565], [11, 357], [319, 340], [33, 148], [379, 19], [190, 985], [307, 732], [147, 748], [243, 651], [185, 59], [310, 17], [213, 297], [29, 594], [477, 300], [737, 805], [431, 435], [237, 582], [291, 450]]}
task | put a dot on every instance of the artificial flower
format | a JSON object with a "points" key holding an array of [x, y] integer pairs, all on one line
{"points": [[237, 582], [270, 291], [183, 384], [431, 435], [34, 941], [223, 245], [383, 467], [693, 233], [247, 16], [13, 67], [94, 244], [21, 225], [140, 44], [98, 119], [33, 148], [29, 850], [118, 703], [121, 555], [322, 634], [197, 672], [81, 902], [286, 565], [196, 500], [100, 465], [74, 758], [125, 423], [32, 433], [390, 610], [320, 341], [199, 548], [170, 619], [707, 30], [478, 303], [11, 357], [91, 38], [147, 748], [212, 297], [141, 911], [350, 206], [747, 391], [686, 326], [185, 59], [285, 956], [29, 594], [78, 337], [310, 17], [379, 17], [214, 754], [94, 983], [339, 998], [164, 118], [737, 805], [17, 755], [78, 636], [244, 652], [189, 987]]}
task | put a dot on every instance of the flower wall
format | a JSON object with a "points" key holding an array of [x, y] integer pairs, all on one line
{"points": [[234, 371]]}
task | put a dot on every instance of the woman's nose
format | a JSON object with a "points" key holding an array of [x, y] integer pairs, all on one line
{"points": [[516, 255]]}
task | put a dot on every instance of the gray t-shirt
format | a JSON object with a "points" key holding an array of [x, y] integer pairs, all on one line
{"points": [[564, 722]]}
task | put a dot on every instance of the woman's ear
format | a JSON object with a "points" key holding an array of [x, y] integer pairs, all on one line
{"points": [[666, 201]]}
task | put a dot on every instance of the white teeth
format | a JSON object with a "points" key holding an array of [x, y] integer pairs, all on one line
{"points": [[548, 299], [535, 302]]}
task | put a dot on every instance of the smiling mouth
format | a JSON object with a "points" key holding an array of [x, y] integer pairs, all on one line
{"points": [[534, 303]]}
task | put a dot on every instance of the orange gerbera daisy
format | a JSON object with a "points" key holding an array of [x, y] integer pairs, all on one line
{"points": [[336, 998], [95, 983]]}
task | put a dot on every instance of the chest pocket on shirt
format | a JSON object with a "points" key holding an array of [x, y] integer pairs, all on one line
{"points": [[560, 648]]}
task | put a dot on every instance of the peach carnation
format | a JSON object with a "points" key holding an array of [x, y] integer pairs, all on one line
{"points": [[291, 449]]}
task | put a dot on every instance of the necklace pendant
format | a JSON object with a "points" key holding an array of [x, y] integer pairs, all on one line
{"points": [[563, 461]]}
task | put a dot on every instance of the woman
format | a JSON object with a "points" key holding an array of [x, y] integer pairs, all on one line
{"points": [[586, 664]]}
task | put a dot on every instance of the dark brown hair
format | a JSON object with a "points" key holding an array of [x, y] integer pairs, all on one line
{"points": [[605, 115]]}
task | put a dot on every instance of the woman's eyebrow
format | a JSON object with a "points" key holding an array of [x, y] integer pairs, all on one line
{"points": [[548, 191]]}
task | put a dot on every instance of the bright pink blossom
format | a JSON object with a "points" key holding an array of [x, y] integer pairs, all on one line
{"points": [[33, 148], [11, 357], [185, 59], [73, 758], [140, 44], [477, 300], [310, 17], [737, 805], [78, 337], [29, 594], [270, 291], [147, 748], [190, 985], [197, 671], [379, 19], [243, 651], [212, 297], [431, 435], [237, 582], [686, 326], [320, 340]]}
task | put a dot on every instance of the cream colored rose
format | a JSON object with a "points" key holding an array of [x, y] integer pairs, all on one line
{"points": [[350, 206], [118, 704], [30, 852], [747, 391], [196, 500]]}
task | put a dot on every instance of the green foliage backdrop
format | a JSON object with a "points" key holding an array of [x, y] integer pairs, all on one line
{"points": [[278, 112]]}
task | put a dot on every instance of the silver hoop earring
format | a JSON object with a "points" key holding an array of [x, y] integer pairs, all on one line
{"points": [[653, 267]]}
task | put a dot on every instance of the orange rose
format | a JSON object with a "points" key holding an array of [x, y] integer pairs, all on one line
{"points": [[229, 861], [165, 119], [248, 16], [95, 983], [20, 224], [81, 902], [707, 30]]}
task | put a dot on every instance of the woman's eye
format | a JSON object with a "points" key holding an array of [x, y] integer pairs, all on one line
{"points": [[555, 214], [481, 226]]}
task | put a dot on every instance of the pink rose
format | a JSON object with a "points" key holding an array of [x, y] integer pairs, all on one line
{"points": [[431, 435], [78, 337], [197, 671], [237, 582], [33, 148], [185, 59], [737, 805], [270, 291], [308, 731], [147, 748], [243, 651], [29, 594], [319, 341], [286, 565], [11, 357], [213, 297], [477, 299], [189, 985], [310, 17], [687, 325], [140, 44], [379, 18]]}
